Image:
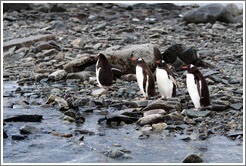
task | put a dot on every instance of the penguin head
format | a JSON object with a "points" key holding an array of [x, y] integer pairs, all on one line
{"points": [[161, 63], [101, 56], [138, 61], [191, 68]]}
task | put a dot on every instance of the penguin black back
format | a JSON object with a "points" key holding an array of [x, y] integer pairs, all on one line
{"points": [[104, 72]]}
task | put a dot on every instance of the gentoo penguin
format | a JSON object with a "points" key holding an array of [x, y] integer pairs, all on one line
{"points": [[165, 80], [197, 86], [103, 71], [145, 78]]}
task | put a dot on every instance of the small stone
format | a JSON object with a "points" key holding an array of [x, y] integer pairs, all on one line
{"points": [[150, 119], [192, 158], [28, 130], [129, 77], [69, 119], [159, 127], [18, 137], [116, 154], [235, 134], [77, 42], [99, 92], [237, 106], [155, 111], [195, 113], [86, 132], [58, 75]]}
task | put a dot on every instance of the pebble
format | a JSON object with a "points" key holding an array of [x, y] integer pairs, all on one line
{"points": [[192, 158]]}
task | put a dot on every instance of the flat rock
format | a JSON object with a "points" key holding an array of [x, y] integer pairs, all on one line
{"points": [[83, 75], [237, 106], [166, 104], [28, 41], [25, 118], [57, 75], [155, 111], [195, 113], [99, 92], [150, 119], [235, 134], [129, 77], [18, 137]]}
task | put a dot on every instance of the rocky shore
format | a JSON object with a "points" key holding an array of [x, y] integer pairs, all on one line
{"points": [[50, 90]]}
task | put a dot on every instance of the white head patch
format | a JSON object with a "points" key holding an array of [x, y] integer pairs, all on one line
{"points": [[191, 66], [163, 61]]}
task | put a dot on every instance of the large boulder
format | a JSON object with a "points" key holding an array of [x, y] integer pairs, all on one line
{"points": [[121, 56], [213, 12]]}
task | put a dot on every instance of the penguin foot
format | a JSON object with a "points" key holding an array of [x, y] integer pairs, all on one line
{"points": [[142, 99], [196, 109]]}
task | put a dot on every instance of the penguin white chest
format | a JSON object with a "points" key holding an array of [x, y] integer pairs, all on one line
{"points": [[140, 79], [165, 85], [193, 90], [97, 74]]}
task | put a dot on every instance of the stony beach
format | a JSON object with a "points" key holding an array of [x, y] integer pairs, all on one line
{"points": [[54, 111]]}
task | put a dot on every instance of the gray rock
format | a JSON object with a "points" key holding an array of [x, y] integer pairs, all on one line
{"points": [[83, 75], [150, 119], [7, 7], [218, 26], [195, 113], [59, 25], [19, 137], [99, 92], [5, 135], [121, 56], [155, 111], [129, 77], [237, 106], [210, 13], [57, 75], [192, 158], [86, 132], [28, 130], [235, 134]]}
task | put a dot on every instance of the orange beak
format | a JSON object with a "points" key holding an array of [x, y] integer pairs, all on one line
{"points": [[133, 59], [185, 67], [157, 62]]}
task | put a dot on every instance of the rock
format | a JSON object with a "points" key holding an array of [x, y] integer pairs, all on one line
{"points": [[150, 119], [80, 102], [167, 104], [9, 7], [79, 64], [5, 134], [39, 77], [57, 8], [183, 137], [77, 42], [129, 77], [218, 26], [83, 75], [116, 154], [121, 56], [25, 118], [86, 132], [235, 134], [28, 130], [19, 137], [46, 46], [99, 92], [62, 135], [57, 75], [62, 103], [155, 111], [28, 41], [192, 158], [69, 118], [176, 116], [116, 120], [237, 106], [59, 25], [159, 127], [210, 13], [195, 113]]}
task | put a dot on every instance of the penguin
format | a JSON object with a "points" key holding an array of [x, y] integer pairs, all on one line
{"points": [[197, 87], [103, 71], [145, 78], [165, 80]]}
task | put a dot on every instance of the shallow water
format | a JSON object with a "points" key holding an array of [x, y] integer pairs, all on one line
{"points": [[47, 148]]}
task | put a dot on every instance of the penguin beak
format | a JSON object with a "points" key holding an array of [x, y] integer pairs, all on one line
{"points": [[133, 59], [157, 62], [185, 67]]}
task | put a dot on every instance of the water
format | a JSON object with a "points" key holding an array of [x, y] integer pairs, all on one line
{"points": [[47, 148]]}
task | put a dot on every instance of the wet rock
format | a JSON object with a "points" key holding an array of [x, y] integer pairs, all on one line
{"points": [[129, 77], [25, 118], [83, 75], [18, 137], [150, 119], [28, 130], [86, 132], [237, 106], [192, 158], [166, 104], [26, 42], [121, 56], [57, 75], [210, 13], [195, 113], [70, 113], [69, 118], [79, 64], [5, 134], [116, 120], [62, 135], [62, 103]]}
